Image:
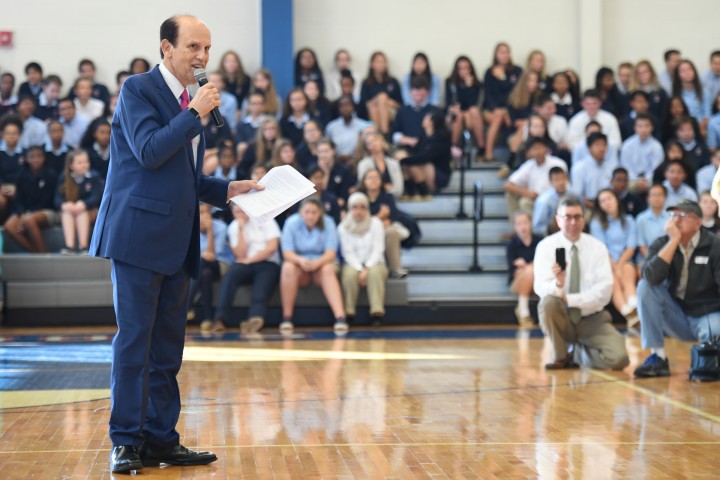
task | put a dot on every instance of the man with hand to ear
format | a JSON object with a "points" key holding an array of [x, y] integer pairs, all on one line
{"points": [[148, 226], [679, 294]]}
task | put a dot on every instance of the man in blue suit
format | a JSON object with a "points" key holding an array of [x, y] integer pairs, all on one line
{"points": [[148, 226]]}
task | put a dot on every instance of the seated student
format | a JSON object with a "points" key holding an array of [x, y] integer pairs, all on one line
{"points": [[330, 201], [309, 249], [675, 175], [537, 127], [259, 151], [319, 107], [214, 137], [307, 69], [543, 217], [256, 262], [520, 105], [686, 84], [138, 65], [672, 58], [624, 87], [263, 83], [86, 69], [589, 177], [641, 154], [85, 104], [500, 79], [650, 223], [709, 207], [572, 299], [47, 107], [713, 128], [74, 124], [226, 169], [616, 230], [12, 158], [296, 116], [380, 94], [674, 151], [675, 110], [344, 131], [561, 93], [711, 78], [120, 78], [557, 126], [382, 205], [407, 129], [96, 142], [581, 153], [591, 104], [536, 63], [347, 87], [646, 80], [377, 159], [340, 179], [705, 175], [678, 294], [639, 105], [362, 240], [34, 130], [462, 99], [7, 98], [237, 81], [79, 191], [283, 154], [215, 258], [306, 153], [429, 167], [341, 71], [520, 252], [33, 85], [694, 147], [421, 68], [33, 207], [55, 148], [247, 128], [532, 178], [229, 109], [608, 92], [632, 202]]}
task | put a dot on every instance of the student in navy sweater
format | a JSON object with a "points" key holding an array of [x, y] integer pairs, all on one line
{"points": [[520, 105], [318, 106], [462, 97], [12, 158], [260, 150], [429, 166], [340, 179], [639, 105], [380, 95], [33, 208], [520, 253], [609, 95], [407, 130], [296, 116], [307, 68], [237, 81], [562, 93], [55, 149], [500, 79], [96, 142], [33, 85], [307, 150], [645, 79], [79, 191]]}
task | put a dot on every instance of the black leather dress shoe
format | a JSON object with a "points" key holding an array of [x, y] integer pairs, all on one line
{"points": [[124, 459], [177, 455]]}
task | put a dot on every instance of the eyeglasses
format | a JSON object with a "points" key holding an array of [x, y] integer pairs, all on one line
{"points": [[573, 218], [680, 215]]}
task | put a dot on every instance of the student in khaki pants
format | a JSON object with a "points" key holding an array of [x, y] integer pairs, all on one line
{"points": [[362, 240]]}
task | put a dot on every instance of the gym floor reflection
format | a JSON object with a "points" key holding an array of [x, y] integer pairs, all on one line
{"points": [[405, 403]]}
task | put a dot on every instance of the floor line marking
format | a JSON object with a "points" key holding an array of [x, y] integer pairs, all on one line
{"points": [[656, 396], [397, 444]]}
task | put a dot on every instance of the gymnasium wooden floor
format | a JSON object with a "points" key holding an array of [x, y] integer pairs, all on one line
{"points": [[455, 403]]}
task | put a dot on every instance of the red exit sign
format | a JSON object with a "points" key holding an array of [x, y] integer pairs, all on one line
{"points": [[6, 38]]}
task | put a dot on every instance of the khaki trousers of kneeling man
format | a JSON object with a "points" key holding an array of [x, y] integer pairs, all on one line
{"points": [[377, 276], [597, 343]]}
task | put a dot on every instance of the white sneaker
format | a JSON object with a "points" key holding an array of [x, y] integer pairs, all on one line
{"points": [[286, 327], [341, 327]]}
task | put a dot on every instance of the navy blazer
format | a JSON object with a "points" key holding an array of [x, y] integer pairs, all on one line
{"points": [[149, 215]]}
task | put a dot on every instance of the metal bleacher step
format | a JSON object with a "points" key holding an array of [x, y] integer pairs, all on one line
{"points": [[453, 259], [446, 207], [458, 288], [490, 181], [460, 232]]}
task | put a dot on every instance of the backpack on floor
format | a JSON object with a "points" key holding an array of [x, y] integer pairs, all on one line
{"points": [[705, 361]]}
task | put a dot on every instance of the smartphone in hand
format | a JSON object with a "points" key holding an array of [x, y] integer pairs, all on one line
{"points": [[560, 258]]}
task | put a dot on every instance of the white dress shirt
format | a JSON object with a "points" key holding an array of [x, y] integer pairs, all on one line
{"points": [[534, 177], [608, 122], [596, 278], [177, 89]]}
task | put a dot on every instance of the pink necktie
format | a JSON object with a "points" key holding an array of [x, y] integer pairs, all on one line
{"points": [[184, 100]]}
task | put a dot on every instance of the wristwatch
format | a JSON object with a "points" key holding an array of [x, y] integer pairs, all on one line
{"points": [[195, 113]]}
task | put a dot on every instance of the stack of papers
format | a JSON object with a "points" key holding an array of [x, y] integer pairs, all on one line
{"points": [[284, 187]]}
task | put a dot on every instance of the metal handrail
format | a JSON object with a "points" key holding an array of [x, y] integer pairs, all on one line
{"points": [[465, 161], [478, 215]]}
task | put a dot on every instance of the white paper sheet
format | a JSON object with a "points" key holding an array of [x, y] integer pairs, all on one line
{"points": [[284, 187]]}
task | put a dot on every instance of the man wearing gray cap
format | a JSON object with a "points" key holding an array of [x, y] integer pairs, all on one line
{"points": [[679, 294]]}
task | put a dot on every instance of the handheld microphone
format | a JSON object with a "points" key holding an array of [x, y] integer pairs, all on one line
{"points": [[201, 77]]}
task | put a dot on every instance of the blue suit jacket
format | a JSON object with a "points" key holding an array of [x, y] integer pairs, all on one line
{"points": [[149, 214]]}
